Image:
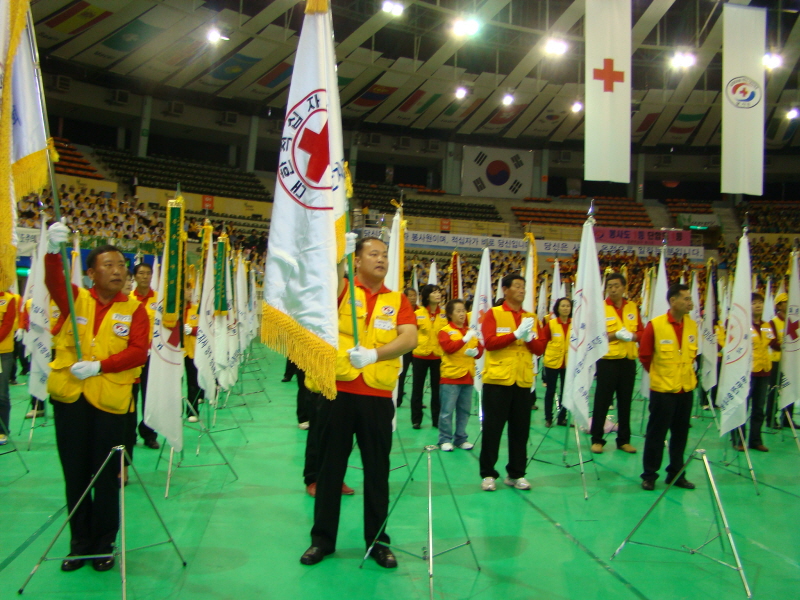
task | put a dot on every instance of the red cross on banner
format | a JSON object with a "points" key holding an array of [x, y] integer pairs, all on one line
{"points": [[316, 144], [608, 75]]}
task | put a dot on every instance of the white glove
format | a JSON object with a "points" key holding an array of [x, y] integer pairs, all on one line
{"points": [[350, 242], [361, 357], [531, 336], [472, 352], [18, 334], [469, 335], [85, 369], [57, 234], [525, 327], [187, 329], [624, 335]]}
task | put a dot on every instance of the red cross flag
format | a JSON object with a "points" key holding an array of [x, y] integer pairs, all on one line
{"points": [[307, 234], [608, 91], [790, 350]]}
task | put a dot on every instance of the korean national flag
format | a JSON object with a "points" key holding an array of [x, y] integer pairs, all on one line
{"points": [[496, 172]]}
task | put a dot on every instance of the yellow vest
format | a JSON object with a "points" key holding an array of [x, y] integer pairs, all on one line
{"points": [[761, 340], [457, 364], [672, 368], [555, 354], [192, 319], [514, 363], [7, 345], [428, 332], [630, 321], [110, 392], [381, 330], [150, 306], [780, 329]]}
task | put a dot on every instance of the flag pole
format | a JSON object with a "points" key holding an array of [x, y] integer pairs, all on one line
{"points": [[350, 284], [65, 263]]}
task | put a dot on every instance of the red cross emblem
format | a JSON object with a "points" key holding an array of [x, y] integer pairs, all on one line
{"points": [[791, 328], [608, 75], [316, 144]]}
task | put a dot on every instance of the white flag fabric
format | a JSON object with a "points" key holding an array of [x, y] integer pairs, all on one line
{"points": [[607, 144], [156, 279], [696, 313], [499, 294], [394, 272], [242, 314], [252, 304], [658, 306], [415, 284], [76, 270], [743, 45], [588, 340], [433, 274], [790, 350], [300, 317], [38, 340], [541, 307], [481, 304], [737, 355], [529, 272], [205, 352], [497, 172], [708, 341], [769, 303], [558, 286], [164, 390], [722, 294], [227, 342]]}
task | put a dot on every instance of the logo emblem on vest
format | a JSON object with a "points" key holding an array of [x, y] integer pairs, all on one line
{"points": [[631, 317], [691, 339], [121, 329], [2, 302]]}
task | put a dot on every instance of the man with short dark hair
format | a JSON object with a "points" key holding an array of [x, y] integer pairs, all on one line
{"points": [[667, 350]]}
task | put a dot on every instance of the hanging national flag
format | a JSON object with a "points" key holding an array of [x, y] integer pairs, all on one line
{"points": [[737, 355], [456, 283], [497, 172], [708, 341], [790, 350], [300, 317], [744, 32], [658, 306], [277, 75], [482, 303], [588, 340], [394, 272], [607, 143], [433, 274], [204, 354]]}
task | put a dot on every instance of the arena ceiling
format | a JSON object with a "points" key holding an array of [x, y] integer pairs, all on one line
{"points": [[402, 72]]}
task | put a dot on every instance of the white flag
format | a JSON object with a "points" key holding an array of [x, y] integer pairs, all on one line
{"points": [[607, 144], [481, 304], [415, 284], [156, 278], [38, 340], [790, 350], [227, 342], [541, 307], [743, 46], [769, 303], [695, 314], [242, 313], [499, 295], [708, 343], [77, 264], [394, 272], [300, 317], [588, 340], [737, 355], [558, 286], [433, 275], [529, 273], [164, 390], [658, 306], [204, 353]]}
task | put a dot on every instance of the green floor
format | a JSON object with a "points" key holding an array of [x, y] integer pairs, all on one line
{"points": [[242, 539]]}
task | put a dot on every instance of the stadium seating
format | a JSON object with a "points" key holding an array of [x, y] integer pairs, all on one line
{"points": [[609, 212], [72, 162]]}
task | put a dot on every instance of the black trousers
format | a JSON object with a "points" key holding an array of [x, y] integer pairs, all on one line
{"points": [[551, 378], [406, 358], [668, 412], [319, 412], [614, 376], [759, 386], [146, 433], [303, 398], [370, 419], [193, 390], [505, 404], [84, 437], [19, 354], [421, 368], [289, 370]]}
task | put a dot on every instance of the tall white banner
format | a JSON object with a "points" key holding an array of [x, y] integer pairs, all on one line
{"points": [[737, 355], [743, 46], [496, 172], [708, 340], [790, 351], [658, 306], [482, 303], [607, 143]]}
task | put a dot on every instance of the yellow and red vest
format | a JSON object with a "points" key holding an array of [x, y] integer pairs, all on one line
{"points": [[7, 344], [512, 365], [761, 339], [672, 368], [780, 329], [457, 364], [110, 392], [555, 355], [150, 305], [192, 319], [630, 321], [381, 330], [428, 332]]}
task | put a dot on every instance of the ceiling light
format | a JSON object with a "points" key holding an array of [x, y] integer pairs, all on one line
{"points": [[464, 27], [577, 107], [792, 114], [508, 100], [393, 8], [215, 36], [683, 60], [461, 93], [557, 47], [772, 61]]}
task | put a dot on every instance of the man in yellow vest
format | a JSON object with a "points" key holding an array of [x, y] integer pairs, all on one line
{"points": [[93, 397], [510, 338], [366, 375], [667, 350], [616, 371], [143, 274], [9, 305]]}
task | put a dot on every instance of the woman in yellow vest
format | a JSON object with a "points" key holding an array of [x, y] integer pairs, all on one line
{"points": [[9, 305], [556, 334], [460, 348], [427, 357]]}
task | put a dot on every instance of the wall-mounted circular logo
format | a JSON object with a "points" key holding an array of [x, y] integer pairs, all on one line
{"points": [[498, 172], [743, 92]]}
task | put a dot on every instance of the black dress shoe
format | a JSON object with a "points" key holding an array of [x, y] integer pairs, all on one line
{"points": [[286, 380], [683, 483], [648, 484], [313, 555], [383, 556], [72, 564], [416, 426], [103, 564], [152, 443]]}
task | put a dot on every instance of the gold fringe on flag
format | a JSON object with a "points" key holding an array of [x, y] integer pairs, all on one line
{"points": [[311, 354], [316, 6], [32, 172]]}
